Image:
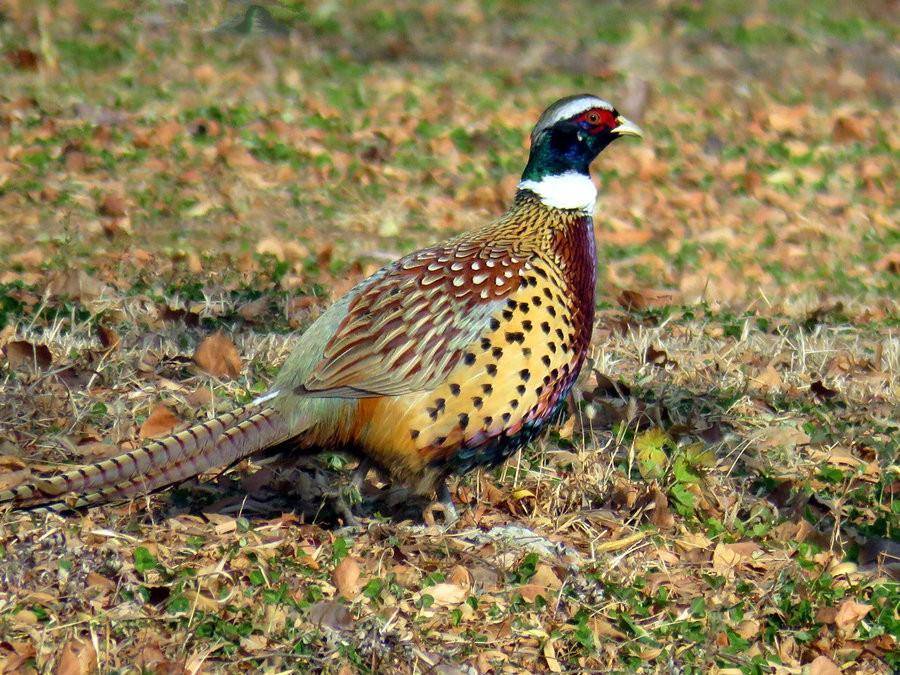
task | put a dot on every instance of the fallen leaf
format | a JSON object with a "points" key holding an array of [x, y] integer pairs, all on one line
{"points": [[446, 595], [77, 658], [23, 59], [330, 614], [76, 284], [20, 353], [602, 628], [218, 356], [644, 299], [108, 338], [33, 257], [550, 656], [769, 377], [346, 578], [254, 309], [661, 516], [848, 129], [160, 422], [822, 665], [460, 576], [849, 613], [821, 391], [658, 357], [727, 557], [113, 205]]}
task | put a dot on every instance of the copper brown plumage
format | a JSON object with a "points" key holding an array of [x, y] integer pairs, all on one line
{"points": [[450, 358]]}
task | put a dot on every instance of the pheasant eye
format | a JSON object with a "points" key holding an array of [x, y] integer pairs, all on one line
{"points": [[593, 117]]}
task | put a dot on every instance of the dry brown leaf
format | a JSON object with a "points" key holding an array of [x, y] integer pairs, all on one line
{"points": [[77, 658], [460, 576], [727, 557], [346, 578], [661, 516], [22, 354], [108, 338], [849, 613], [446, 595], [550, 656], [636, 300], [822, 665], [330, 614], [848, 129], [76, 284], [33, 257], [602, 628], [113, 205], [95, 580], [254, 309], [218, 356], [769, 378], [160, 422], [23, 59], [546, 577]]}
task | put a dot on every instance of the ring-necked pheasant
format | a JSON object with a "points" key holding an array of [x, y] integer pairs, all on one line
{"points": [[452, 357]]}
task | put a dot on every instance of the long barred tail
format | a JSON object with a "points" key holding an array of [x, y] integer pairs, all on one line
{"points": [[217, 442]]}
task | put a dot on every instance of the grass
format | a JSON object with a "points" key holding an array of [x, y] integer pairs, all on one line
{"points": [[721, 496]]}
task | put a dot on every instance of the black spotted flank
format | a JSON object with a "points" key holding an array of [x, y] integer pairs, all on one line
{"points": [[545, 327], [520, 388], [477, 402], [526, 324], [454, 389], [487, 389], [414, 433], [536, 300], [516, 336], [497, 352], [495, 323], [469, 358], [551, 311], [507, 314], [514, 403], [505, 416], [525, 374], [545, 360], [463, 420], [560, 334], [491, 369], [485, 343], [511, 304]]}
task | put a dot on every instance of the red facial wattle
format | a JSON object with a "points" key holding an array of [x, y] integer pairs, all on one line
{"points": [[597, 120]]}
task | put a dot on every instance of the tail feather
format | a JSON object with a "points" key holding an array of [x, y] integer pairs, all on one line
{"points": [[168, 460]]}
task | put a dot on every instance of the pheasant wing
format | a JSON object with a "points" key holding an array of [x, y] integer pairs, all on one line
{"points": [[411, 324]]}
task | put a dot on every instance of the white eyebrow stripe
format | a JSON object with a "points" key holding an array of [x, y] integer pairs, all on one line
{"points": [[576, 107]]}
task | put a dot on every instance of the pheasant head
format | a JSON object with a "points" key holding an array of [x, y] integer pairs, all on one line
{"points": [[566, 139]]}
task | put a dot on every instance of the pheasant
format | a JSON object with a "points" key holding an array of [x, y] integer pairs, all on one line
{"points": [[450, 358]]}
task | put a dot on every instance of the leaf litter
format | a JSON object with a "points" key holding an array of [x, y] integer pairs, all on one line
{"points": [[722, 494]]}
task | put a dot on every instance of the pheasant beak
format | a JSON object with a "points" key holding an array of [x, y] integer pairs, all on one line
{"points": [[627, 128]]}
